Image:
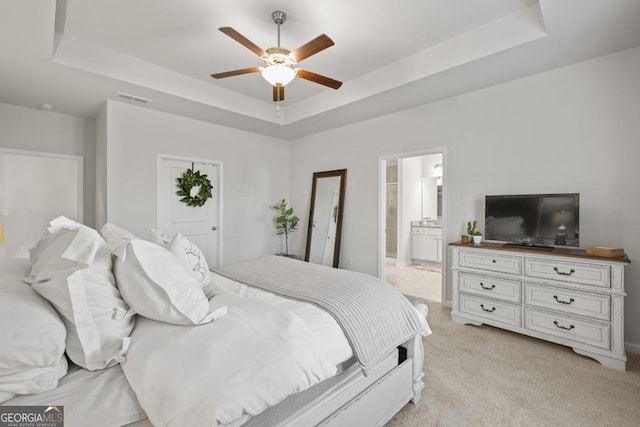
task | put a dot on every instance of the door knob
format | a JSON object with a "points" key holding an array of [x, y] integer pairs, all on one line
{"points": [[214, 228]]}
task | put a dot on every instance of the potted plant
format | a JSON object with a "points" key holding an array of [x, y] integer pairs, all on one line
{"points": [[286, 223], [477, 237], [471, 229]]}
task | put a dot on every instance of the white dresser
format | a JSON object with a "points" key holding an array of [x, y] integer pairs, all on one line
{"points": [[563, 296]]}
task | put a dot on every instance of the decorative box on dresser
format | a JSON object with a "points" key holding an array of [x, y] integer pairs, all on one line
{"points": [[564, 296]]}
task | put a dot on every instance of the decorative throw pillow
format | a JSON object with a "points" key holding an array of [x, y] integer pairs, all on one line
{"points": [[72, 270], [157, 286], [33, 336], [187, 252]]}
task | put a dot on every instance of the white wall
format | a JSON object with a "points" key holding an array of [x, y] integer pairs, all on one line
{"points": [[23, 128], [574, 129], [255, 174]]}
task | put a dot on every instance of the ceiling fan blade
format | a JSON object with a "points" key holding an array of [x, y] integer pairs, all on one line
{"points": [[317, 78], [243, 41], [316, 45], [235, 72], [278, 93]]}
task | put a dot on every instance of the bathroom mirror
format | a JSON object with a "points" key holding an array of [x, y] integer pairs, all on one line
{"points": [[325, 217]]}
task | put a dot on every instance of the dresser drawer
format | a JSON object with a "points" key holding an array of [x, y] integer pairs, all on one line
{"points": [[491, 262], [561, 325], [568, 300], [507, 290], [573, 272], [489, 309]]}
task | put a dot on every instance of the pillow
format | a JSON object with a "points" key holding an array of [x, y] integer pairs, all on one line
{"points": [[72, 270], [116, 238], [187, 252], [32, 336], [159, 237], [157, 286], [44, 255]]}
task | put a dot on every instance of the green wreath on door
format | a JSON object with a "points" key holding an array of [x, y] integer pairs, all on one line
{"points": [[194, 188]]}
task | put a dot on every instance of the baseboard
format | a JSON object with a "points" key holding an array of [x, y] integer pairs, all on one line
{"points": [[632, 347], [403, 263]]}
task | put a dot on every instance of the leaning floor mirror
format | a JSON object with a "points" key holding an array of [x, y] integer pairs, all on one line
{"points": [[325, 217]]}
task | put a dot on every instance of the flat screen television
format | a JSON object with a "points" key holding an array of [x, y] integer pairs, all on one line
{"points": [[534, 220]]}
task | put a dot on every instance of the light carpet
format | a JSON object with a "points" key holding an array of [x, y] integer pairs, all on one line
{"points": [[414, 280], [484, 376]]}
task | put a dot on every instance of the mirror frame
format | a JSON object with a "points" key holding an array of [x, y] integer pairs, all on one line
{"points": [[342, 173]]}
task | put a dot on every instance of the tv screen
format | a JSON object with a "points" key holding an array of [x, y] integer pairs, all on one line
{"points": [[533, 219]]}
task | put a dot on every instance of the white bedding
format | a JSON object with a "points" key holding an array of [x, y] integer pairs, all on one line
{"points": [[326, 331], [105, 398], [374, 315], [223, 372], [98, 399]]}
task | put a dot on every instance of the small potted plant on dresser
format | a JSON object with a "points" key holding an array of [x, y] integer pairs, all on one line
{"points": [[477, 237], [471, 230]]}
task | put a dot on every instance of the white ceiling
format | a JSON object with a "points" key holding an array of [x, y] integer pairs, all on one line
{"points": [[391, 55]]}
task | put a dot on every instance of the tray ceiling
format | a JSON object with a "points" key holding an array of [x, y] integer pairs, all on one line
{"points": [[76, 54]]}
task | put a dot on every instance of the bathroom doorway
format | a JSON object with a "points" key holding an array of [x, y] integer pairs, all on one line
{"points": [[412, 219]]}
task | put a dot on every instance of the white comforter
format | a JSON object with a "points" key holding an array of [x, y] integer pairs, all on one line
{"points": [[225, 371]]}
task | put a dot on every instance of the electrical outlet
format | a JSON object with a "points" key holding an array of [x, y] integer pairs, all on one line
{"points": [[350, 261]]}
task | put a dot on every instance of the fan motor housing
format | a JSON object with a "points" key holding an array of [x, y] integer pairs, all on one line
{"points": [[280, 56]]}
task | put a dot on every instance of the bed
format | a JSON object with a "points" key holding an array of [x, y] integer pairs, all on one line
{"points": [[138, 334]]}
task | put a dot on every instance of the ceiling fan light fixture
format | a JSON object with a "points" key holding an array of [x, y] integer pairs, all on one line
{"points": [[278, 75], [279, 62]]}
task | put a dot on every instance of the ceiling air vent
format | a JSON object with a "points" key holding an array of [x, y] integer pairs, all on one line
{"points": [[134, 98]]}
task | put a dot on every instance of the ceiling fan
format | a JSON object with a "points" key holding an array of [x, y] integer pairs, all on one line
{"points": [[279, 62]]}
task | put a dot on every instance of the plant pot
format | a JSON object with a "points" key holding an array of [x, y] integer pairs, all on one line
{"points": [[464, 238], [477, 239]]}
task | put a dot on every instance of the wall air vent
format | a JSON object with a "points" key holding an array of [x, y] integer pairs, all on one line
{"points": [[134, 98]]}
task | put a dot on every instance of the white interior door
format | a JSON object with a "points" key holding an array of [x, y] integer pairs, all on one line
{"points": [[199, 224], [36, 187]]}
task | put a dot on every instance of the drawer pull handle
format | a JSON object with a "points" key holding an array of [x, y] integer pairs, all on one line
{"points": [[493, 261], [562, 273], [491, 310], [555, 322], [563, 302], [488, 288]]}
